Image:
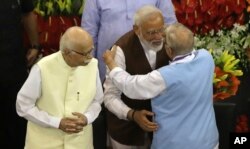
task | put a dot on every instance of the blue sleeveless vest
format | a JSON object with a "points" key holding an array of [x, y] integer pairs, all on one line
{"points": [[184, 111]]}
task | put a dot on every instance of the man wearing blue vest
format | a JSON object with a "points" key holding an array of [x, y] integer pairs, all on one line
{"points": [[181, 93], [62, 96]]}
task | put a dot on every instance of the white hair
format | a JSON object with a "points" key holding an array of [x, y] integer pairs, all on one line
{"points": [[144, 12], [70, 38], [179, 38]]}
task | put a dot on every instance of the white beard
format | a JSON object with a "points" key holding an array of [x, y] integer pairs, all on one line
{"points": [[150, 45]]}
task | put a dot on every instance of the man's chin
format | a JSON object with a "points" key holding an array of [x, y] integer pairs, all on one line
{"points": [[156, 48], [85, 63]]}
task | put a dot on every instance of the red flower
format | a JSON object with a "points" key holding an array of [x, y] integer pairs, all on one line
{"points": [[229, 22], [242, 124], [237, 5], [225, 88], [206, 4], [241, 19], [53, 27], [189, 5], [221, 96], [203, 16]]}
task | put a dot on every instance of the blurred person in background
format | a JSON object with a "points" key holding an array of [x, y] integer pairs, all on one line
{"points": [[15, 15]]}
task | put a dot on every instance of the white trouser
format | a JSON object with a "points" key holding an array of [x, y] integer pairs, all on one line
{"points": [[117, 145], [217, 146]]}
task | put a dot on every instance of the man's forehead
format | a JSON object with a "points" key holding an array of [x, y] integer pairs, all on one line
{"points": [[153, 27]]}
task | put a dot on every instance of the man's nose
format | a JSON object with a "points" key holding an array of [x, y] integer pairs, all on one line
{"points": [[158, 35]]}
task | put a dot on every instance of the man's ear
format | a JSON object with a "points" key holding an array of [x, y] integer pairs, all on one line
{"points": [[169, 52], [66, 51], [136, 29]]}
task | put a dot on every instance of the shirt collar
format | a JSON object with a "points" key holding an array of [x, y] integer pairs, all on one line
{"points": [[183, 58]]}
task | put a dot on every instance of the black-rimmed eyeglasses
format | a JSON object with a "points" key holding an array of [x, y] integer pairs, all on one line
{"points": [[84, 53]]}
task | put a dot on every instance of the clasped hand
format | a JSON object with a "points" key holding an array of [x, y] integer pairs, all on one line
{"points": [[73, 125]]}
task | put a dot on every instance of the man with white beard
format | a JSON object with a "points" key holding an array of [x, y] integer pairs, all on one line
{"points": [[139, 51]]}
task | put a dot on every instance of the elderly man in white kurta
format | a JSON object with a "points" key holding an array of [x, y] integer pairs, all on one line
{"points": [[62, 96]]}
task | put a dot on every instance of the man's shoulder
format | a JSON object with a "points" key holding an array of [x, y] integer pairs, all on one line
{"points": [[126, 38], [204, 53], [48, 58], [94, 60]]}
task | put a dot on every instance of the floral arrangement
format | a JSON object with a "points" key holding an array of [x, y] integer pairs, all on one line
{"points": [[236, 41], [201, 16], [59, 7], [225, 76], [54, 17], [229, 55]]}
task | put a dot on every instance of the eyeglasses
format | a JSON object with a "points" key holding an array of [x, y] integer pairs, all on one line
{"points": [[154, 32], [83, 53]]}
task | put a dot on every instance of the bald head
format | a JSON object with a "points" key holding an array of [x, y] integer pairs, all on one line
{"points": [[146, 13], [179, 38], [76, 38]]}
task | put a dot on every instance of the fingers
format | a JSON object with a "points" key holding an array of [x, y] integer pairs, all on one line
{"points": [[148, 125], [110, 54], [74, 130], [108, 58], [71, 125], [141, 117], [113, 50], [82, 120], [77, 114], [149, 113], [149, 128]]}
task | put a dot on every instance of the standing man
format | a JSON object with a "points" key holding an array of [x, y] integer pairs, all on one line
{"points": [[182, 94], [14, 61], [140, 51], [62, 96], [107, 21]]}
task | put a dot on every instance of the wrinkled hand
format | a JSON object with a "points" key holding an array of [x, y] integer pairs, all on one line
{"points": [[31, 56], [141, 118], [108, 57], [82, 120], [73, 125]]}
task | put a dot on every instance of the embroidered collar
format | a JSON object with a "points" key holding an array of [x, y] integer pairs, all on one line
{"points": [[183, 58]]}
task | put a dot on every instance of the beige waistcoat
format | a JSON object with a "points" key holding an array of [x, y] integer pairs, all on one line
{"points": [[64, 90]]}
